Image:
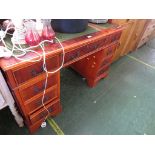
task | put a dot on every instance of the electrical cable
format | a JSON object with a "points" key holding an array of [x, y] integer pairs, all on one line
{"points": [[31, 49]]}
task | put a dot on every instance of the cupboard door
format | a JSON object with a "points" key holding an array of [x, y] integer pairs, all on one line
{"points": [[129, 32], [137, 33], [120, 51]]}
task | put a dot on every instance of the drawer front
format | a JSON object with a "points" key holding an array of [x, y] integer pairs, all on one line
{"points": [[38, 87], [51, 94], [36, 69], [106, 61], [54, 108], [103, 70], [76, 53], [111, 49]]}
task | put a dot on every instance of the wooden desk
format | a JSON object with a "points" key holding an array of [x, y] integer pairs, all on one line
{"points": [[89, 53]]}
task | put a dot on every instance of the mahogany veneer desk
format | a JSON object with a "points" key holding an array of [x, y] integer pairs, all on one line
{"points": [[89, 53]]}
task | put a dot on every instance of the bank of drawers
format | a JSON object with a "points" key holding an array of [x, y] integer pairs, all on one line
{"points": [[28, 84], [35, 104], [96, 66]]}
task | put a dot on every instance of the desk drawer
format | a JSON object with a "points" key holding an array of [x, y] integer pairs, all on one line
{"points": [[103, 70], [34, 89], [106, 61], [51, 94], [111, 49], [54, 108], [24, 74]]}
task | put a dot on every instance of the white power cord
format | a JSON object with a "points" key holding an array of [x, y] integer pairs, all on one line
{"points": [[31, 49]]}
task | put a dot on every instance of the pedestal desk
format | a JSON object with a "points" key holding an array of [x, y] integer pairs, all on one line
{"points": [[89, 53]]}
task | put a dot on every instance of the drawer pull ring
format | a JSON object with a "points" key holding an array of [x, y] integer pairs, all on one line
{"points": [[50, 109], [35, 73], [37, 90]]}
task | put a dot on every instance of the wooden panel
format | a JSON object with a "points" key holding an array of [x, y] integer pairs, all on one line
{"points": [[129, 33], [36, 88], [122, 21], [137, 32], [126, 34]]}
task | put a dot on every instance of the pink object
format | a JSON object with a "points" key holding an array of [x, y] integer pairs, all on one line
{"points": [[32, 37], [47, 32]]}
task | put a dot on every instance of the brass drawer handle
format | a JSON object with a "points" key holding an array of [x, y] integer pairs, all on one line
{"points": [[113, 38], [74, 55], [78, 54], [119, 44], [109, 51], [35, 73], [37, 90], [91, 48], [45, 100], [50, 109]]}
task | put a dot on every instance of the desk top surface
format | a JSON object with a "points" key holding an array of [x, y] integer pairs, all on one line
{"points": [[68, 41]]}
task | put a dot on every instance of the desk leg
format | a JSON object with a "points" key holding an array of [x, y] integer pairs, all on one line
{"points": [[91, 83]]}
